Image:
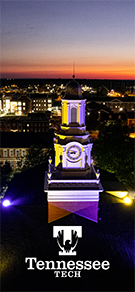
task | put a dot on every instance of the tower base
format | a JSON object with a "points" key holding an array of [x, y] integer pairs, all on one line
{"points": [[58, 210]]}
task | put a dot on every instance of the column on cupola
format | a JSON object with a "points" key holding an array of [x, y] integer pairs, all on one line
{"points": [[83, 121], [79, 113], [88, 151], [64, 112], [83, 157], [68, 110], [58, 153], [64, 158], [89, 154]]}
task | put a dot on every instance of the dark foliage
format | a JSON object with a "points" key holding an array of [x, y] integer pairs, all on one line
{"points": [[35, 156], [113, 151], [91, 120], [5, 177]]}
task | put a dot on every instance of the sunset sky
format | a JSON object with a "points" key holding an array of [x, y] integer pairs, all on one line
{"points": [[42, 39]]}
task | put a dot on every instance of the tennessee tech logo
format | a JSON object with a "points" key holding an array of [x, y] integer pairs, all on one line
{"points": [[67, 238]]}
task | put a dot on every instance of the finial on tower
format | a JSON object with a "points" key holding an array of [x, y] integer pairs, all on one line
{"points": [[73, 71]]}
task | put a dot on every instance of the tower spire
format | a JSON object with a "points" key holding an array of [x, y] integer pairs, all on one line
{"points": [[73, 70]]}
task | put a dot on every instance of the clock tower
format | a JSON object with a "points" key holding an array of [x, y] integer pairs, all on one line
{"points": [[72, 184]]}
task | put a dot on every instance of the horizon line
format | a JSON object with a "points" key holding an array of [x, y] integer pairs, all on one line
{"points": [[13, 78]]}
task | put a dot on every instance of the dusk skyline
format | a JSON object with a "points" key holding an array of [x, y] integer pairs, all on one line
{"points": [[42, 39]]}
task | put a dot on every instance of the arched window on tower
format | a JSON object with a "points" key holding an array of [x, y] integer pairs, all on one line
{"points": [[73, 115]]}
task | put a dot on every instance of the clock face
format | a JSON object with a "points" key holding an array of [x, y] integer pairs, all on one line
{"points": [[73, 152]]}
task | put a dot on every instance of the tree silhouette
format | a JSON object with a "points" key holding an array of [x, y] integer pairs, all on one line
{"points": [[35, 155], [5, 176], [113, 151]]}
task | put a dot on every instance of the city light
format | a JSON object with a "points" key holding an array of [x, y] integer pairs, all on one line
{"points": [[127, 200], [6, 203]]}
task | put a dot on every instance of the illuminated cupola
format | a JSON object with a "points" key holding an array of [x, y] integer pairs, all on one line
{"points": [[73, 105]]}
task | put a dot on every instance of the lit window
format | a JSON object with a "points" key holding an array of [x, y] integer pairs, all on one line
{"points": [[36, 104], [5, 153], [11, 153], [73, 115], [17, 163], [24, 103], [23, 108], [19, 103], [12, 163], [17, 153], [27, 125], [34, 100], [19, 107]]}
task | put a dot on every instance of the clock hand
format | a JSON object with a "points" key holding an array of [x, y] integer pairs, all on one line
{"points": [[72, 152]]}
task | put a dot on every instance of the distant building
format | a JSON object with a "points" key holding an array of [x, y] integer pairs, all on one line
{"points": [[131, 119], [116, 104], [41, 102], [107, 116], [14, 146], [39, 122], [19, 104], [22, 104]]}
